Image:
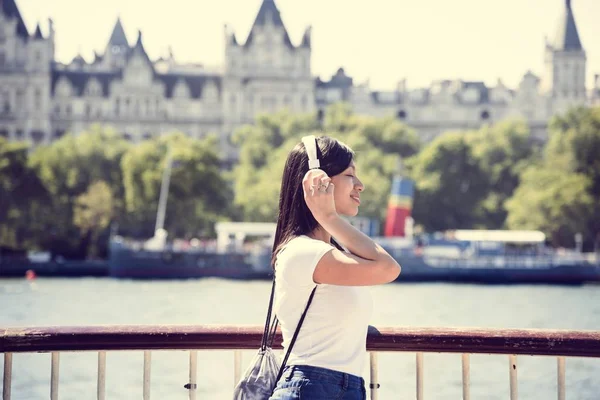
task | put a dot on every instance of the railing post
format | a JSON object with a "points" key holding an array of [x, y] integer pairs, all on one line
{"points": [[101, 375], [7, 379], [512, 365], [420, 376], [237, 366], [466, 376], [193, 373], [147, 365], [374, 384], [54, 375], [562, 391]]}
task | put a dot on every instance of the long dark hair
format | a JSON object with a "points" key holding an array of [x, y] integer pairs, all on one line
{"points": [[295, 218]]}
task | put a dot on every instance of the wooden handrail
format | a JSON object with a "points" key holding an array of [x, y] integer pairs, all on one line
{"points": [[179, 337]]}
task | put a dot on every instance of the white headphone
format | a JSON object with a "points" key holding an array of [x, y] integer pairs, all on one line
{"points": [[310, 144]]}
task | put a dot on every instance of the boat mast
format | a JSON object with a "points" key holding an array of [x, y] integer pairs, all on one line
{"points": [[164, 193]]}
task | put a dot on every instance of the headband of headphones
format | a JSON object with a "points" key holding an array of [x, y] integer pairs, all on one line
{"points": [[310, 144]]}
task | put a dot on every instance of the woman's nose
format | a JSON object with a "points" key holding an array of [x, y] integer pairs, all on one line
{"points": [[359, 185]]}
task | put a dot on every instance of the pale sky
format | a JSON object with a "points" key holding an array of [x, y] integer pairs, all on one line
{"points": [[380, 40]]}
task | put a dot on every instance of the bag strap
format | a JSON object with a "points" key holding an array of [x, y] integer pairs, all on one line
{"points": [[265, 337], [289, 350]]}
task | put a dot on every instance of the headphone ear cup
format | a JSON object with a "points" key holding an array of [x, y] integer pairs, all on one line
{"points": [[310, 145]]}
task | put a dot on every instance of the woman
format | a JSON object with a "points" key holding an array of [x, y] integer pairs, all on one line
{"points": [[328, 357]]}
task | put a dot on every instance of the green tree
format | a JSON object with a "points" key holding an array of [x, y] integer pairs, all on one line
{"points": [[503, 151], [67, 168], [94, 211], [23, 197], [378, 143], [199, 195], [450, 184], [570, 171], [552, 201]]}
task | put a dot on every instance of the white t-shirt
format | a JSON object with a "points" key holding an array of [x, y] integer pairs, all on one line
{"points": [[334, 331]]}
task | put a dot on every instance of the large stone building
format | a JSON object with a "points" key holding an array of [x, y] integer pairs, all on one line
{"points": [[41, 99]]}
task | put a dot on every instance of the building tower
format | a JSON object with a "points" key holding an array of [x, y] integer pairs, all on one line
{"points": [[565, 65]]}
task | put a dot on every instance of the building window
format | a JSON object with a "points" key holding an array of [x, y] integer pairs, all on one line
{"points": [[401, 115], [19, 134], [2, 58], [5, 102], [20, 100], [37, 100], [37, 136], [485, 115], [69, 110], [88, 110], [4, 133]]}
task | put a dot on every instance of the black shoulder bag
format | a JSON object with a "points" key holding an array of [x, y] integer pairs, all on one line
{"points": [[259, 380]]}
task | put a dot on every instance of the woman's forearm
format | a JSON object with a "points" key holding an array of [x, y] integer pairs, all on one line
{"points": [[354, 240]]}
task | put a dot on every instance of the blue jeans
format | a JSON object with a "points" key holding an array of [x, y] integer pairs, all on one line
{"points": [[314, 383]]}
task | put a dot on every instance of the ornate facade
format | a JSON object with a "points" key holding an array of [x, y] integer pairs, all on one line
{"points": [[41, 99]]}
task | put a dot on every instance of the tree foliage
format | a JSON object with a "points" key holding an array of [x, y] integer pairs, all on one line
{"points": [[67, 168], [450, 184], [561, 193], [65, 196], [199, 195], [23, 197], [264, 146]]}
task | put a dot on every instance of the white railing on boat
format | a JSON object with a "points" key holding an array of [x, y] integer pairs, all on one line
{"points": [[511, 342]]}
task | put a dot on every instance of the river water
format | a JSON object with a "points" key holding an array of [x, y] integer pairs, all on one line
{"points": [[47, 302]]}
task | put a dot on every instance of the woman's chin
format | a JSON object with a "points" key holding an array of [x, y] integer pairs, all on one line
{"points": [[350, 212]]}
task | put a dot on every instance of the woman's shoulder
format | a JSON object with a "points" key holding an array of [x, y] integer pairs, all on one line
{"points": [[297, 260], [302, 247], [305, 243]]}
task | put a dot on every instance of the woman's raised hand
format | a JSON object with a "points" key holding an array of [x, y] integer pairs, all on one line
{"points": [[318, 194]]}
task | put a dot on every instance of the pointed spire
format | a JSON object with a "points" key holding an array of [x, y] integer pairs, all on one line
{"points": [[38, 32], [139, 49], [269, 14], [78, 60], [9, 8], [306, 38], [567, 37], [118, 37], [139, 39]]}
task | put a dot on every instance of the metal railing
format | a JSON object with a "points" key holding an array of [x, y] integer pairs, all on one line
{"points": [[511, 342]]}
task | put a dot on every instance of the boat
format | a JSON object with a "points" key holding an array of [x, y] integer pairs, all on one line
{"points": [[490, 257], [472, 256], [227, 258], [18, 264], [162, 258], [477, 256]]}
